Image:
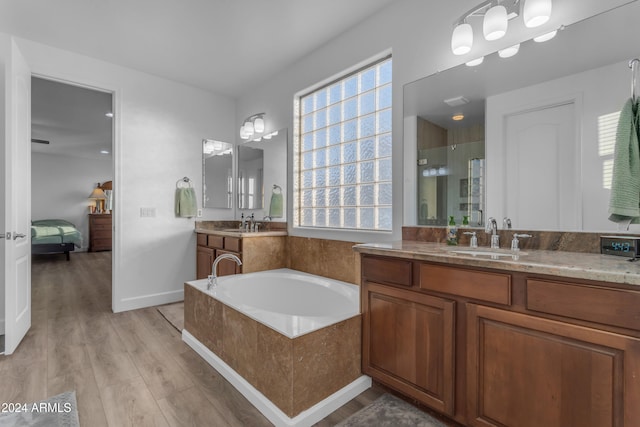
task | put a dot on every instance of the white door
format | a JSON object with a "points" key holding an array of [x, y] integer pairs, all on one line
{"points": [[17, 200], [542, 169]]}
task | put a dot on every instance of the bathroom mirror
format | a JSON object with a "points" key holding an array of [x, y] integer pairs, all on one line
{"points": [[261, 166], [217, 174], [584, 65], [250, 177]]}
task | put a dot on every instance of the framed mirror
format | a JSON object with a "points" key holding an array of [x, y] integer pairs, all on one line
{"points": [[217, 174], [544, 175]]}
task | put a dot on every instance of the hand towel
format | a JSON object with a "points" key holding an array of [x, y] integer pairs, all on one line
{"points": [[186, 204], [624, 204], [276, 207]]}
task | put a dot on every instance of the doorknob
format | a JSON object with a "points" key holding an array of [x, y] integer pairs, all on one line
{"points": [[16, 235]]}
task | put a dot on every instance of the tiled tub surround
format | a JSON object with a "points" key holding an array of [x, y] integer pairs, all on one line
{"points": [[303, 377]]}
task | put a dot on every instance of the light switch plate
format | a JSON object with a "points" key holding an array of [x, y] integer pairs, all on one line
{"points": [[147, 212]]}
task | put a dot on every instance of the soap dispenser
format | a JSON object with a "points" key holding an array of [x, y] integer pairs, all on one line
{"points": [[452, 232]]}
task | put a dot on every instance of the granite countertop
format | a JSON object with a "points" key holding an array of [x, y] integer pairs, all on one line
{"points": [[575, 265], [231, 232]]}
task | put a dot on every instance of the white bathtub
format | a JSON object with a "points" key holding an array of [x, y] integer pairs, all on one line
{"points": [[289, 301]]}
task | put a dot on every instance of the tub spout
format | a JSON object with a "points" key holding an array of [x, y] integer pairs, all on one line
{"points": [[213, 279]]}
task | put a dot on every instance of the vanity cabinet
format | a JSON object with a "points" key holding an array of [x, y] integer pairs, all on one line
{"points": [[491, 347], [257, 253]]}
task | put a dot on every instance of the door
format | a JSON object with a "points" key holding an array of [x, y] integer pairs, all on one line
{"points": [[17, 200], [542, 169]]}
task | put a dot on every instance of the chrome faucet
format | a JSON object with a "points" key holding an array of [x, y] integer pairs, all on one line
{"points": [[213, 279], [492, 228], [515, 241]]}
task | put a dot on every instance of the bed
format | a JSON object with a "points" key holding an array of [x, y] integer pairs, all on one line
{"points": [[50, 236]]}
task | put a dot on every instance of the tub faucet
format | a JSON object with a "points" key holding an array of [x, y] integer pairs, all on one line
{"points": [[492, 228], [213, 279]]}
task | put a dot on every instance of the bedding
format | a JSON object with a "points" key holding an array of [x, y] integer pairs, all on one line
{"points": [[54, 236]]}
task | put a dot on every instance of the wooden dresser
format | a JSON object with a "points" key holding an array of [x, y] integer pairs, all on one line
{"points": [[100, 232]]}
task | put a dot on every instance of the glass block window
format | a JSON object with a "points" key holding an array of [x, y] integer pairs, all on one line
{"points": [[342, 168]]}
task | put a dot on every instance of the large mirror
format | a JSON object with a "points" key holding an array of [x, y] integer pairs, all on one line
{"points": [[535, 141], [262, 175], [217, 174]]}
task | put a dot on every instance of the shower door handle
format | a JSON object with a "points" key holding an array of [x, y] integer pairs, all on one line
{"points": [[18, 235]]}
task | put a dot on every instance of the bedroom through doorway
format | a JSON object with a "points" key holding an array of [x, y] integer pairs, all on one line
{"points": [[71, 174]]}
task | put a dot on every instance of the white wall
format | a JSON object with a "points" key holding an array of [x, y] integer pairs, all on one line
{"points": [[60, 186], [418, 32], [159, 127]]}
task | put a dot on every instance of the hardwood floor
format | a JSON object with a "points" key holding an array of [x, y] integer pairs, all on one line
{"points": [[128, 369]]}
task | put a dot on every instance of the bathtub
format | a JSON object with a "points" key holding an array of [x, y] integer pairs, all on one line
{"points": [[288, 341]]}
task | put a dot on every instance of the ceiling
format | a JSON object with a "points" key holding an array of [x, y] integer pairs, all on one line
{"points": [[226, 46]]}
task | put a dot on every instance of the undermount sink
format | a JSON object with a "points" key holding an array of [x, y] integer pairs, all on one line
{"points": [[480, 252]]}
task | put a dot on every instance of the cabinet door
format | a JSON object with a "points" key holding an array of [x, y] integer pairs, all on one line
{"points": [[525, 371], [204, 261], [408, 343]]}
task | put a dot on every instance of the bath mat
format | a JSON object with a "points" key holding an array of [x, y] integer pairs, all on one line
{"points": [[390, 411], [58, 411], [174, 313]]}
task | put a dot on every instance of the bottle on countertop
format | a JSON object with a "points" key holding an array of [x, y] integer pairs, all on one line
{"points": [[465, 221], [452, 232]]}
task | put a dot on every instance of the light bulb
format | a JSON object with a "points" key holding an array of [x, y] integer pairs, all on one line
{"points": [[462, 39], [258, 125], [495, 23], [536, 12], [508, 52]]}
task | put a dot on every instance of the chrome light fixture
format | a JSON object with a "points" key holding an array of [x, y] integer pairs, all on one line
{"points": [[495, 15], [252, 125]]}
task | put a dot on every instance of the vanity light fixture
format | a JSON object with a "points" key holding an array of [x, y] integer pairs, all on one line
{"points": [[495, 15], [252, 125]]}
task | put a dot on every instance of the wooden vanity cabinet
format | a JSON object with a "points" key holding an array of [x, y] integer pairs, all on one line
{"points": [[409, 343], [257, 253], [498, 348]]}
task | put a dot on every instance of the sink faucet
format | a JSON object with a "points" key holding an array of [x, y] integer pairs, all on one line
{"points": [[492, 227], [213, 279]]}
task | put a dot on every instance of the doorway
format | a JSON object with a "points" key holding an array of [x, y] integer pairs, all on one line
{"points": [[71, 168]]}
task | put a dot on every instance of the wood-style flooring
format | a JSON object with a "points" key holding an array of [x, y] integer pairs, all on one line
{"points": [[128, 369]]}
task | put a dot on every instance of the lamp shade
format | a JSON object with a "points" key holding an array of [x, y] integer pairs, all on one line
{"points": [[97, 193], [536, 12], [462, 39], [248, 128], [495, 23], [545, 37], [243, 133], [258, 125], [475, 62]]}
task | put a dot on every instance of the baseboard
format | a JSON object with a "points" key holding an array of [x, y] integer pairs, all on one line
{"points": [[306, 418], [134, 303]]}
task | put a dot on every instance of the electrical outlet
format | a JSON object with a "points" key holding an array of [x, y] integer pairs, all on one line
{"points": [[199, 214]]}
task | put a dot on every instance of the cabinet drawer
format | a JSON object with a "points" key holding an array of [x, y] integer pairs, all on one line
{"points": [[101, 221], [233, 244], [100, 234], [387, 271], [616, 307], [215, 241], [479, 285], [202, 239]]}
